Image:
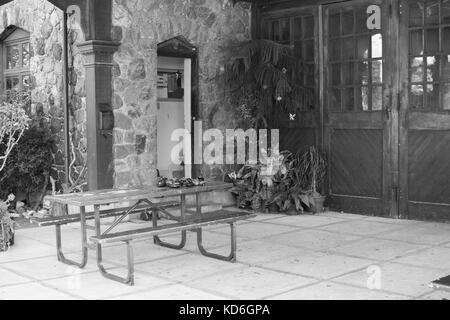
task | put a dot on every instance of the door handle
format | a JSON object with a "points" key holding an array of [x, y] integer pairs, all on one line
{"points": [[388, 110]]}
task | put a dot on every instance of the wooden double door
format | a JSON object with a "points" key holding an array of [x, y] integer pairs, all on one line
{"points": [[385, 74]]}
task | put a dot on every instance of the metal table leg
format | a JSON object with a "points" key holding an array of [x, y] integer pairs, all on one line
{"points": [[231, 257], [84, 245], [161, 243]]}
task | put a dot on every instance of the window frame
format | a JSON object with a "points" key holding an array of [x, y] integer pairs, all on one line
{"points": [[18, 37]]}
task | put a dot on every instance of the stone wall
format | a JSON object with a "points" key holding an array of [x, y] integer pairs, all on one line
{"points": [[44, 22], [140, 25]]}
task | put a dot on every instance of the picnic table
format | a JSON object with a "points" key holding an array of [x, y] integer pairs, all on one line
{"points": [[142, 200]]}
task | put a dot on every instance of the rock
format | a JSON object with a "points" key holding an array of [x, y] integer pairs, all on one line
{"points": [[122, 121], [136, 69], [57, 51]]}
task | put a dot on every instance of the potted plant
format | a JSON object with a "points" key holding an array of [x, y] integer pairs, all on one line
{"points": [[313, 167], [6, 225]]}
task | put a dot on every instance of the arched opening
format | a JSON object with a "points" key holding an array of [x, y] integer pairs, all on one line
{"points": [[177, 105]]}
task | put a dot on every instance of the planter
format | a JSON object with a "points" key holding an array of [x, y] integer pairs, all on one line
{"points": [[6, 237], [319, 204]]}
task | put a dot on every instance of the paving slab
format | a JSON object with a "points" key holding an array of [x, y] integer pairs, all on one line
{"points": [[313, 239], [172, 292], [361, 227], [33, 291], [436, 258], [318, 264], [186, 267], [378, 249], [258, 230], [95, 286], [394, 277], [335, 291], [424, 233], [250, 283], [11, 278], [307, 221]]}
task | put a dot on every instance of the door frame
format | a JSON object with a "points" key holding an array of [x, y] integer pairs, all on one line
{"points": [[389, 113], [180, 47]]}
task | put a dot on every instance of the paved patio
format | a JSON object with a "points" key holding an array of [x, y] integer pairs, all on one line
{"points": [[327, 256]]}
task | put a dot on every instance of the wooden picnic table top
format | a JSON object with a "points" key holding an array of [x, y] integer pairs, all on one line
{"points": [[104, 197]]}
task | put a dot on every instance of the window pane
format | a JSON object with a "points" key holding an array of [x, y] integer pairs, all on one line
{"points": [[377, 46], [377, 71], [363, 73], [348, 49], [335, 49], [363, 47], [275, 31], [335, 74], [432, 40], [297, 28], [415, 13], [416, 97], [432, 96], [347, 22], [26, 83], [335, 100], [12, 83], [445, 68], [308, 27], [12, 57], [446, 96], [348, 73], [446, 39], [432, 68], [25, 54], [334, 25], [377, 98], [445, 11], [363, 98], [309, 50], [298, 53], [285, 29], [416, 69], [432, 12], [349, 99], [361, 21], [415, 45]]}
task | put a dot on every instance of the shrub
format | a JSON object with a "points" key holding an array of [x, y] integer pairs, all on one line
{"points": [[29, 165]]}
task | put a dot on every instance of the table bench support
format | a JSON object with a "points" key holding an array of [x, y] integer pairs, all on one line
{"points": [[84, 244], [203, 251], [129, 279]]}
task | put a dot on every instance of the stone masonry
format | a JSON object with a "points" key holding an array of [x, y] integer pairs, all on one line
{"points": [[44, 22], [140, 25]]}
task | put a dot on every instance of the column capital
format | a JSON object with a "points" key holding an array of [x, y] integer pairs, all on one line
{"points": [[98, 52]]}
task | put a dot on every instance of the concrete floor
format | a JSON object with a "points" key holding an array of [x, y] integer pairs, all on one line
{"points": [[327, 256]]}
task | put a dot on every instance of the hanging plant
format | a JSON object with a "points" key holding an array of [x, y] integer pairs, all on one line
{"points": [[263, 78]]}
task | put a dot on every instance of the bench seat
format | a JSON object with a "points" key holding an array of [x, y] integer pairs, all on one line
{"points": [[72, 218], [191, 223]]}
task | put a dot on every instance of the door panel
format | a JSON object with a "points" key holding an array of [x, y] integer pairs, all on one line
{"points": [[357, 128], [357, 173], [425, 104]]}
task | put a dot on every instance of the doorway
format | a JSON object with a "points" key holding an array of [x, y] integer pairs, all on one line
{"points": [[173, 113], [358, 117]]}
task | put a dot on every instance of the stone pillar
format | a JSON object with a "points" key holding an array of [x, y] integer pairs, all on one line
{"points": [[100, 121]]}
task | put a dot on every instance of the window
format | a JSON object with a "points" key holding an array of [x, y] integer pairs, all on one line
{"points": [[297, 31], [429, 54], [16, 60], [355, 62]]}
